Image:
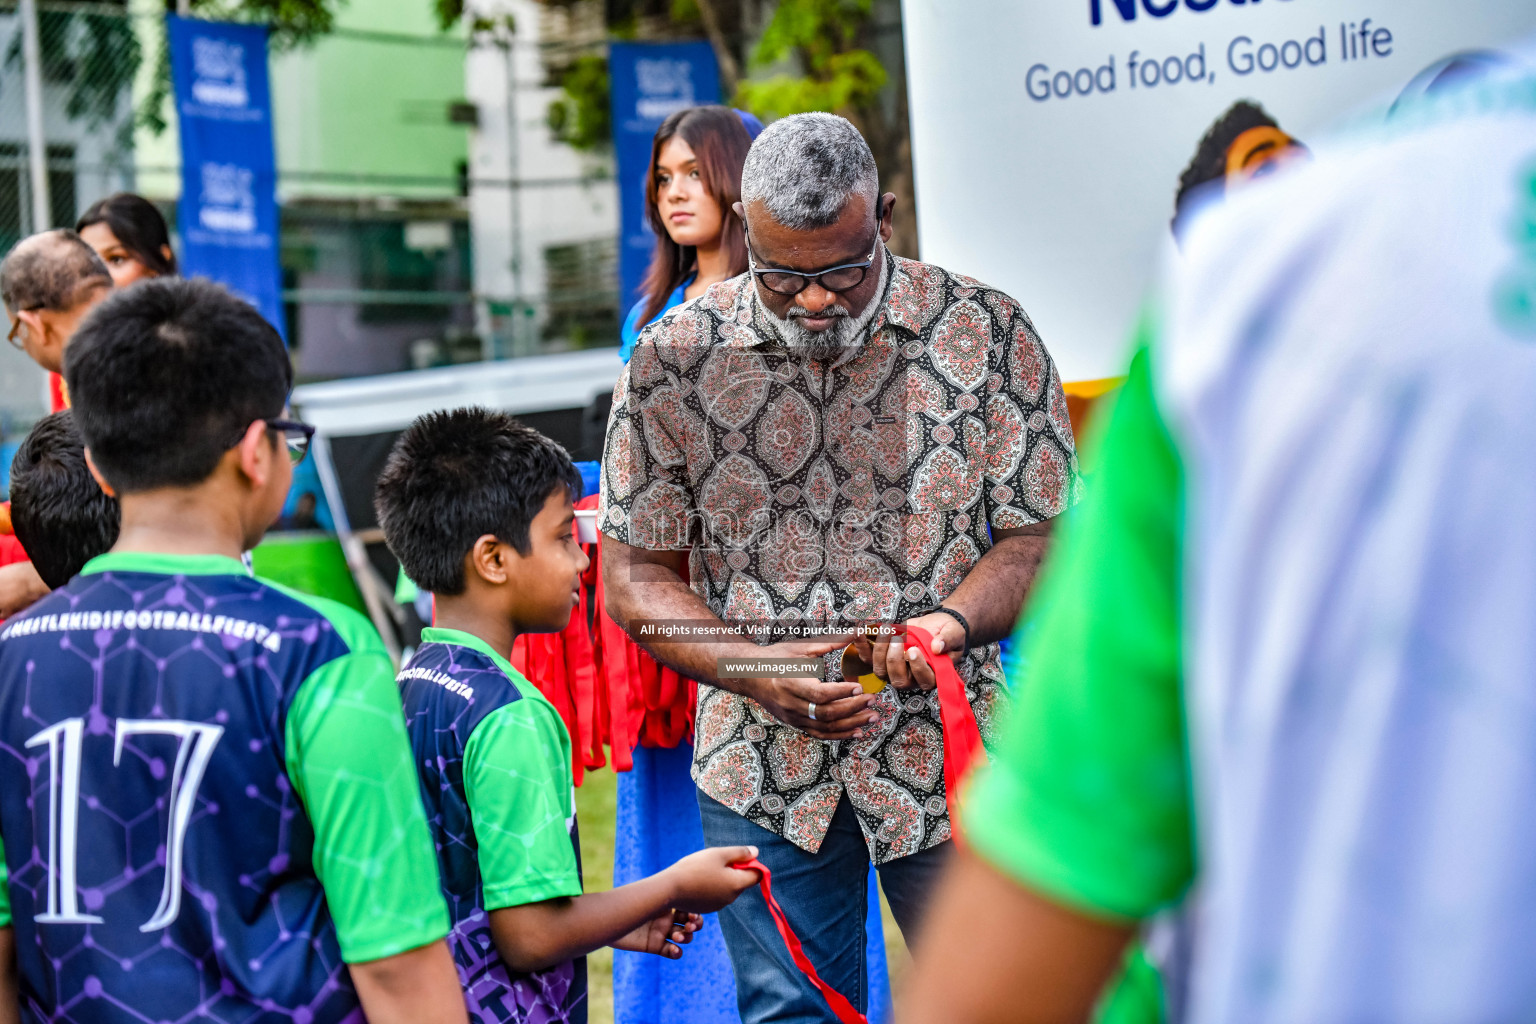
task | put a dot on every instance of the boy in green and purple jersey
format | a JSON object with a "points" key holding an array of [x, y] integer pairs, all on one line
{"points": [[478, 508]]}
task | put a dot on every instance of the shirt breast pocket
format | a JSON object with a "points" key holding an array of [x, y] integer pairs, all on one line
{"points": [[942, 461]]}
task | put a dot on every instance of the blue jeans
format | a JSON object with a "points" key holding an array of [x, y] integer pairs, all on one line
{"points": [[823, 895]]}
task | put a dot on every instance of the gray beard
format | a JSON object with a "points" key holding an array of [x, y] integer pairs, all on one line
{"points": [[838, 343]]}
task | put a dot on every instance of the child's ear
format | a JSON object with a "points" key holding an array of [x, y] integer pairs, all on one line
{"points": [[256, 453], [490, 558], [101, 481]]}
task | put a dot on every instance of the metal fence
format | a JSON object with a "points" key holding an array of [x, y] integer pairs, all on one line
{"points": [[427, 216], [88, 56]]}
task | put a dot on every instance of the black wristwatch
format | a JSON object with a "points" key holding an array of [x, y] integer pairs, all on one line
{"points": [[963, 625]]}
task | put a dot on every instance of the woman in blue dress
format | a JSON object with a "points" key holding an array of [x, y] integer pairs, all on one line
{"points": [[696, 160]]}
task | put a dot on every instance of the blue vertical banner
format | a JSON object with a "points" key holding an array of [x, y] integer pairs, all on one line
{"points": [[228, 209], [650, 82]]}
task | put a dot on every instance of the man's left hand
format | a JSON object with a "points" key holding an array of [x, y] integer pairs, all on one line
{"points": [[908, 670]]}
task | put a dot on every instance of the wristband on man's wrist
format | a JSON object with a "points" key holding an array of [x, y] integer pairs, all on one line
{"points": [[963, 625]]}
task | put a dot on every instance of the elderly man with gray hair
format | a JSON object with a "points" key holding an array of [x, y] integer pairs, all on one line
{"points": [[49, 282], [835, 438]]}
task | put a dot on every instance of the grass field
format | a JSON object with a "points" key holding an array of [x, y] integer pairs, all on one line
{"points": [[594, 815], [594, 811]]}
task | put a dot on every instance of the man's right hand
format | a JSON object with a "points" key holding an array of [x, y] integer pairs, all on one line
{"points": [[704, 882], [841, 709]]}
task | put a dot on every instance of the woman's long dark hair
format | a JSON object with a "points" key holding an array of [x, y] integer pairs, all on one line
{"points": [[719, 142], [138, 226]]}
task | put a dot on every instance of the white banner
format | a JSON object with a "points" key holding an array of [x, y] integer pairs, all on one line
{"points": [[1048, 135]]}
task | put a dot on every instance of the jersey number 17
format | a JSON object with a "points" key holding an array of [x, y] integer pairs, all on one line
{"points": [[63, 740]]}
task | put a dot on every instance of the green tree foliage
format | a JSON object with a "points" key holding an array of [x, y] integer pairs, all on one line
{"points": [[582, 116], [831, 42], [448, 12], [838, 74], [293, 23]]}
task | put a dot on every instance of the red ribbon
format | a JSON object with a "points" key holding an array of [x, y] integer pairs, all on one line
{"points": [[962, 736], [962, 746], [840, 1006]]}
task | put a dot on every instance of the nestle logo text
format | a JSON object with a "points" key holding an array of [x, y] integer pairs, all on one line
{"points": [[1127, 8]]}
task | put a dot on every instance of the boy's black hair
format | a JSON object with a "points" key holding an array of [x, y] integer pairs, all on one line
{"points": [[454, 477], [166, 376], [60, 514], [1209, 164]]}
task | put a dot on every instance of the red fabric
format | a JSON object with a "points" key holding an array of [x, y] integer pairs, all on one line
{"points": [[581, 672], [962, 736], [58, 394], [608, 691], [840, 1006], [563, 666], [646, 703], [621, 697], [11, 550]]}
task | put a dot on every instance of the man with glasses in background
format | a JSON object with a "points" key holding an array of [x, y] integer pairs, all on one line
{"points": [[48, 282], [836, 438]]}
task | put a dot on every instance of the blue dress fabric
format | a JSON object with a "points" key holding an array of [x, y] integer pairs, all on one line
{"points": [[657, 824], [630, 333]]}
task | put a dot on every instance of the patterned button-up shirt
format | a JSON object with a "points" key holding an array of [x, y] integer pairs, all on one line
{"points": [[808, 493]]}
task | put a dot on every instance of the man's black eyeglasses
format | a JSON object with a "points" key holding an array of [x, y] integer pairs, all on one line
{"points": [[16, 326], [298, 435], [834, 279]]}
